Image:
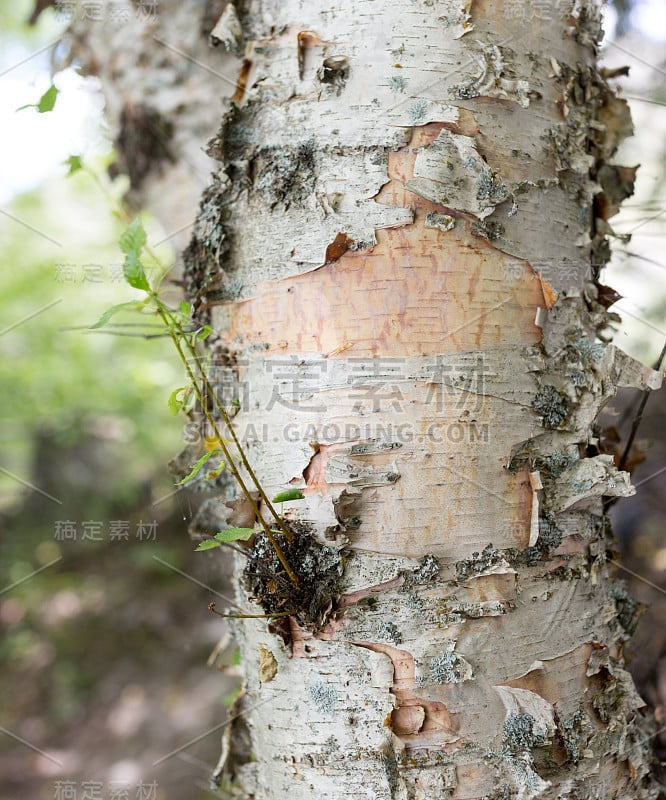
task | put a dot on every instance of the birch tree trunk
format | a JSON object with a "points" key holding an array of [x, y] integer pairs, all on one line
{"points": [[411, 223], [399, 254]]}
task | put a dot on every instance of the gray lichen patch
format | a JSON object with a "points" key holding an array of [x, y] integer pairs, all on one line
{"points": [[488, 229], [204, 257], [478, 563], [324, 696], [417, 111], [554, 464], [531, 556], [285, 175], [574, 733], [398, 83], [596, 122], [581, 348], [465, 91], [450, 667], [628, 609], [580, 358], [427, 571], [520, 734], [617, 698], [552, 406], [444, 222], [389, 631], [490, 189], [550, 535]]}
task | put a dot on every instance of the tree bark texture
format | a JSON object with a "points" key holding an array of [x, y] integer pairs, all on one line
{"points": [[412, 222], [399, 253]]}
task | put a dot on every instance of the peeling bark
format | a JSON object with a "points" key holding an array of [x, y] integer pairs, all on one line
{"points": [[436, 238], [400, 253]]}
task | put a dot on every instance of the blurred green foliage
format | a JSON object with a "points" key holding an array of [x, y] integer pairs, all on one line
{"points": [[61, 380], [86, 420]]}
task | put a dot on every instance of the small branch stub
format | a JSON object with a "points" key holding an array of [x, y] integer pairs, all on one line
{"points": [[317, 567]]}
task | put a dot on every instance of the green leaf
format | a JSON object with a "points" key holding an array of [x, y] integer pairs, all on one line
{"points": [[214, 473], [197, 467], [185, 309], [131, 243], [174, 402], [48, 100], [110, 312], [290, 494], [133, 237], [74, 163], [208, 544], [204, 333], [45, 103], [235, 535], [134, 272]]}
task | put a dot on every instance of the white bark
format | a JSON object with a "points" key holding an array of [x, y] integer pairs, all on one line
{"points": [[464, 658], [406, 199]]}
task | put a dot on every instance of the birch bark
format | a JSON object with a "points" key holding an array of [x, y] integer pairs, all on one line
{"points": [[411, 205], [400, 254]]}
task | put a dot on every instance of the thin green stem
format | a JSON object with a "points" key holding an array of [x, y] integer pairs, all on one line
{"points": [[175, 330], [225, 417], [172, 326]]}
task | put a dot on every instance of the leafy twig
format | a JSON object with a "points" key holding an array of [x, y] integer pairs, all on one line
{"points": [[133, 243]]}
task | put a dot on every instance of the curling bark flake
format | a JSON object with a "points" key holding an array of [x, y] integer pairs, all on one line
{"points": [[409, 241]]}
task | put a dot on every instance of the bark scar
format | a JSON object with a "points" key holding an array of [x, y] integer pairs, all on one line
{"points": [[414, 720]]}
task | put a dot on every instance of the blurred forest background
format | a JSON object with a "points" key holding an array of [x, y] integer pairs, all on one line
{"points": [[116, 678]]}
